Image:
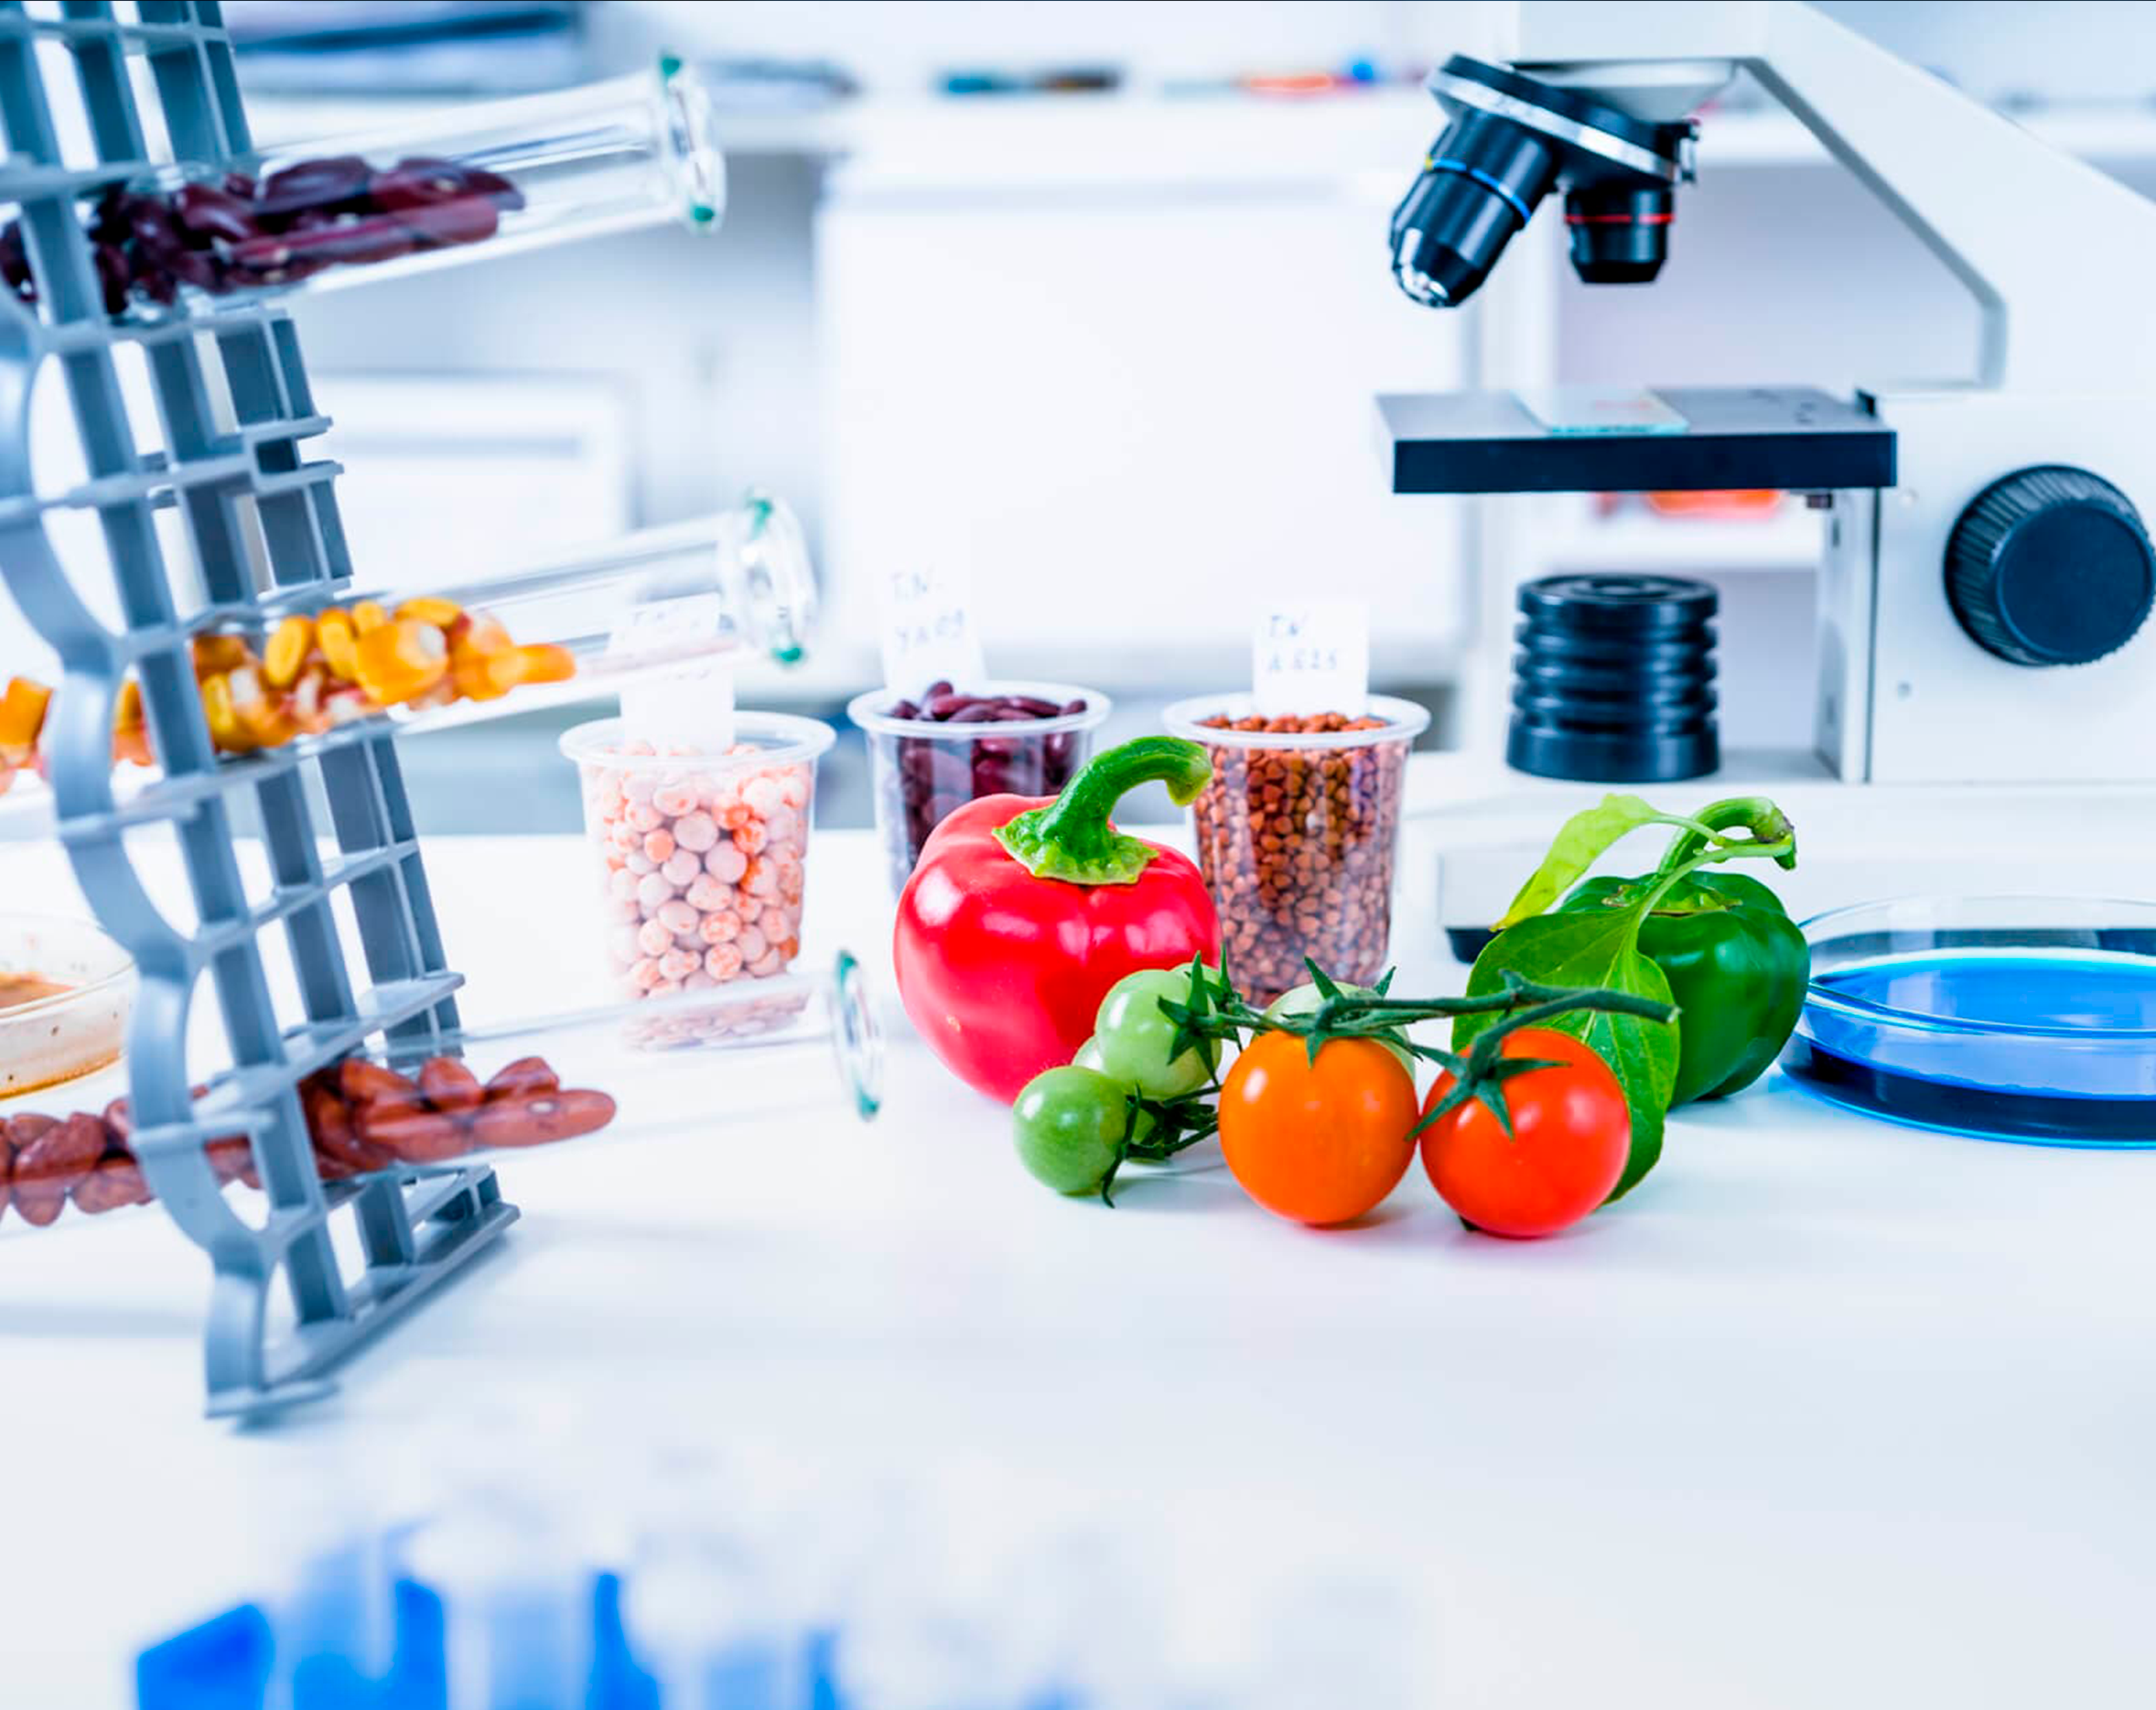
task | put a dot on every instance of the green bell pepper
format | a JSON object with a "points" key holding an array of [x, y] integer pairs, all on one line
{"points": [[1737, 964]]}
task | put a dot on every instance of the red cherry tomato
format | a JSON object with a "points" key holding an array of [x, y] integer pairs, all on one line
{"points": [[1571, 1133], [1320, 1142]]}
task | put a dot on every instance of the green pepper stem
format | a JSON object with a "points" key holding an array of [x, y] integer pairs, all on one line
{"points": [[1070, 838], [1771, 834]]}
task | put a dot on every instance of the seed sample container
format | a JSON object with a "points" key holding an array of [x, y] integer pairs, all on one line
{"points": [[930, 757], [795, 1043], [699, 855], [1296, 834], [491, 177]]}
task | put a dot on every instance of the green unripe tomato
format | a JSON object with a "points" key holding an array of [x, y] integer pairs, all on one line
{"points": [[1068, 1124], [1089, 1057], [1304, 999], [1133, 1036]]}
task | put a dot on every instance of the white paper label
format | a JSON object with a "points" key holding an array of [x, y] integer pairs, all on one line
{"points": [[1313, 658], [692, 703], [928, 631]]}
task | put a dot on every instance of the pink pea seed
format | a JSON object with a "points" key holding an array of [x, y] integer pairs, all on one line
{"points": [[621, 885], [696, 831], [726, 863], [765, 965], [653, 889], [658, 846], [682, 867], [750, 838], [722, 962], [679, 964], [653, 939], [676, 916], [717, 928], [751, 943], [706, 893], [675, 800], [645, 974], [638, 863], [644, 816]]}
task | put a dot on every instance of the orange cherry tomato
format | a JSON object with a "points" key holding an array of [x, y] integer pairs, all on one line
{"points": [[1320, 1142], [1571, 1133]]}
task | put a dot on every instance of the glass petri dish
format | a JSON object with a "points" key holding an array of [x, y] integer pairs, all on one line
{"points": [[2028, 1019], [70, 1032]]}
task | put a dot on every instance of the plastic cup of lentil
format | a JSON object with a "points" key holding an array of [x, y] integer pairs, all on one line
{"points": [[931, 756], [1296, 834], [700, 854]]}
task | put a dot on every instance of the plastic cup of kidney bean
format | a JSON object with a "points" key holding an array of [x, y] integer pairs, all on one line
{"points": [[935, 751], [699, 855], [1296, 834]]}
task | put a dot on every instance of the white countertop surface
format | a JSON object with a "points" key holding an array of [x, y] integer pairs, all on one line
{"points": [[1828, 1412]]}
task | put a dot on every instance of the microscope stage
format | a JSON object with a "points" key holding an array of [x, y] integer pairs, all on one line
{"points": [[1794, 438]]}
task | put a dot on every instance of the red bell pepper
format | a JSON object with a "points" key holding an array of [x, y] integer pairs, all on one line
{"points": [[1023, 911]]}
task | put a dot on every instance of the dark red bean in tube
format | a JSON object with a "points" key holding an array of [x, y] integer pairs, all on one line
{"points": [[208, 212], [315, 185]]}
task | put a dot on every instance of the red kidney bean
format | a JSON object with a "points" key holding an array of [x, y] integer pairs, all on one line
{"points": [[316, 186], [525, 1076], [931, 778], [207, 213], [449, 1085]]}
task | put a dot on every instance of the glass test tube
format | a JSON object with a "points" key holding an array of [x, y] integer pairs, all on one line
{"points": [[485, 177]]}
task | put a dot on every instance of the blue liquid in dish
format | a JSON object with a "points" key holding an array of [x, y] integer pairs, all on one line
{"points": [[2033, 1047]]}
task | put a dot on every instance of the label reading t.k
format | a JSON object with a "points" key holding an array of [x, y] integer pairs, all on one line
{"points": [[1312, 658], [928, 630], [683, 689]]}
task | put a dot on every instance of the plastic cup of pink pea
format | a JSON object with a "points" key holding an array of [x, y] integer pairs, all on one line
{"points": [[699, 854]]}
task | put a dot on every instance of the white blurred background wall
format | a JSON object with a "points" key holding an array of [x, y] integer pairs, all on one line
{"points": [[1110, 355]]}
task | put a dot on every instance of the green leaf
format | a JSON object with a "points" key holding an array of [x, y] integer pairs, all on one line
{"points": [[1598, 949], [1580, 843]]}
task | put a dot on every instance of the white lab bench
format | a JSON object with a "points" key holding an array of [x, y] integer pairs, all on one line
{"points": [[1828, 1412]]}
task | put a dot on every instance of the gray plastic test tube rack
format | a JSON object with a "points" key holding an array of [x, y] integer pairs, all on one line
{"points": [[244, 495]]}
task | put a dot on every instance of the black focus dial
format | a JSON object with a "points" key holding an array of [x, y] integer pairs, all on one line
{"points": [[2051, 566]]}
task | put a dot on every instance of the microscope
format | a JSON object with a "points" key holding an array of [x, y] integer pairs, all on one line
{"points": [[1988, 577]]}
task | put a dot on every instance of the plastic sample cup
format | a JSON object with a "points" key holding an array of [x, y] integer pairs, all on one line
{"points": [[700, 856], [1011, 738], [1296, 833]]}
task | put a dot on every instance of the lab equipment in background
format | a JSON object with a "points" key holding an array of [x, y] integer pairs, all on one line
{"points": [[2008, 1018], [2017, 505], [675, 1580], [699, 847], [222, 448], [450, 47], [797, 1044], [510, 175], [929, 756], [1297, 832], [1614, 680], [65, 989]]}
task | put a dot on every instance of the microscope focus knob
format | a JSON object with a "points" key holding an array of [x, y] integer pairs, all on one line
{"points": [[2051, 566]]}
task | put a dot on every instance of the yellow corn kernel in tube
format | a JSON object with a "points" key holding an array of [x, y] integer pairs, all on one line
{"points": [[340, 646], [23, 716], [287, 651], [222, 717], [429, 609], [543, 662], [401, 661], [214, 654]]}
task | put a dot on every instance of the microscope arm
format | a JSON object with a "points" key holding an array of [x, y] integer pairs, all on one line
{"points": [[2057, 253]]}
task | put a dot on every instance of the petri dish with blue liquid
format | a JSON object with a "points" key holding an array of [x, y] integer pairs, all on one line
{"points": [[2005, 1018]]}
